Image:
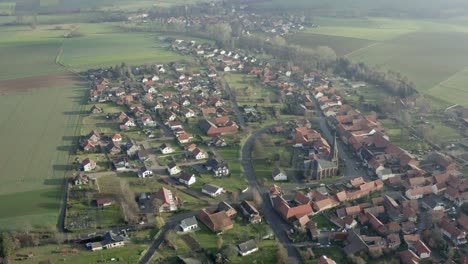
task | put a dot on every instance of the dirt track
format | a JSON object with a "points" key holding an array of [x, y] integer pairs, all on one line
{"points": [[44, 81]]}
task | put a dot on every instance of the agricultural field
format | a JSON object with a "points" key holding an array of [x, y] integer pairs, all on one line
{"points": [[341, 45], [106, 45], [431, 53], [43, 123], [27, 52], [34, 146]]}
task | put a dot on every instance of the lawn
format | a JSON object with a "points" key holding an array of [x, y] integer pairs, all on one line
{"points": [[34, 147], [128, 254], [240, 233], [323, 223], [246, 88], [332, 252]]}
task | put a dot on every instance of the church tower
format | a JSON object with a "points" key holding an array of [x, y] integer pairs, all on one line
{"points": [[336, 157]]}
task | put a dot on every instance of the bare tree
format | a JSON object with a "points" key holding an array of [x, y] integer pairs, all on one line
{"points": [[156, 204], [127, 200], [257, 198], [281, 254], [219, 242]]}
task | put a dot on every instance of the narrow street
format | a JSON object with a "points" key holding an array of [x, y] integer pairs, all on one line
{"points": [[240, 118]]}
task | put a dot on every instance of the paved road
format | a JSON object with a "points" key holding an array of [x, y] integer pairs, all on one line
{"points": [[274, 220], [240, 117], [171, 223]]}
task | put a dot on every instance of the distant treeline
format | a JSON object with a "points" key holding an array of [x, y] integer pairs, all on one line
{"points": [[362, 8]]}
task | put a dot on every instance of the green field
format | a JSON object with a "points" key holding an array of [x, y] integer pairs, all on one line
{"points": [[40, 124], [35, 141], [106, 45], [341, 45], [431, 53], [27, 52]]}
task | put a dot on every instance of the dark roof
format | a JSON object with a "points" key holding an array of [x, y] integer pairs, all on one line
{"points": [[111, 237], [249, 208], [186, 176], [211, 188], [216, 164], [189, 221], [247, 246], [172, 164], [205, 125]]}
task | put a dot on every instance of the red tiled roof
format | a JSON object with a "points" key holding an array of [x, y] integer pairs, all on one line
{"points": [[421, 248]]}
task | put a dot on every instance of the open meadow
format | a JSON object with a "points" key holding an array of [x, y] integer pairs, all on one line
{"points": [[431, 53]]}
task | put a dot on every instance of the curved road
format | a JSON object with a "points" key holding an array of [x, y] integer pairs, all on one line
{"points": [[276, 223]]}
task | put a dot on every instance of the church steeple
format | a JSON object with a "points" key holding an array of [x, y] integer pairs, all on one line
{"points": [[335, 152]]}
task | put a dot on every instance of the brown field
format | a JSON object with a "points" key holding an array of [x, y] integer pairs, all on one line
{"points": [[44, 81]]}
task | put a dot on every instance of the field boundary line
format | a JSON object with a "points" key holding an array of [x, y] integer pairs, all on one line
{"points": [[363, 48], [448, 79]]}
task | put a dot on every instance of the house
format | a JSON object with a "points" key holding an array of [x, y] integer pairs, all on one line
{"points": [[325, 260], [418, 192], [393, 241], [430, 203], [166, 148], [218, 141], [88, 145], [189, 113], [102, 202], [120, 163], [143, 155], [110, 240], [96, 110], [250, 212], [173, 169], [187, 178], [216, 221], [409, 257], [247, 248], [144, 172], [452, 232], [80, 179], [230, 211], [219, 168], [116, 138], [212, 190], [279, 175], [169, 202], [94, 136], [132, 149], [113, 148], [88, 165], [211, 129], [189, 224], [184, 138], [129, 122], [421, 249], [199, 154]]}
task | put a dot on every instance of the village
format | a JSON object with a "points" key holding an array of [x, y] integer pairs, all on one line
{"points": [[349, 188]]}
